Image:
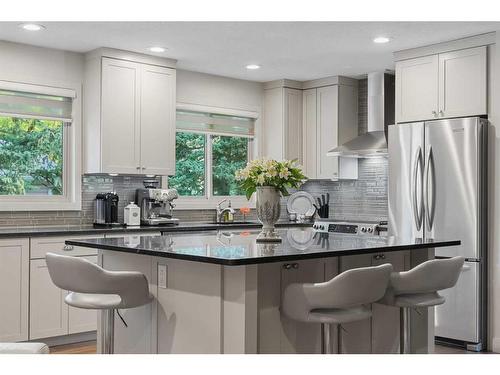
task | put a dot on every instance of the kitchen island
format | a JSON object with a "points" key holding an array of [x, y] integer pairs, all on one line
{"points": [[220, 291]]}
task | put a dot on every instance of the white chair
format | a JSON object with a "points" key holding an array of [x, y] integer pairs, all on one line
{"points": [[419, 287], [92, 287], [23, 348], [341, 300]]}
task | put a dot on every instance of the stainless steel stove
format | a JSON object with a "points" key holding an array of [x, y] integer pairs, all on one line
{"points": [[351, 227]]}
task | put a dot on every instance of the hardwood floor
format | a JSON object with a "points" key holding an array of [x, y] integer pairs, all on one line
{"points": [[87, 347]]}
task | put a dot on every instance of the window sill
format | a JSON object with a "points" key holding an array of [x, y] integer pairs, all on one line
{"points": [[184, 203]]}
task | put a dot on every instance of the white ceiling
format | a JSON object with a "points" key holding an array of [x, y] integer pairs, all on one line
{"points": [[294, 50]]}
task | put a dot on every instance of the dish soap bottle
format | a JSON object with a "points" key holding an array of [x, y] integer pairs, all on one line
{"points": [[229, 214]]}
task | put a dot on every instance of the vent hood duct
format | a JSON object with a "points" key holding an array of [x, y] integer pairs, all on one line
{"points": [[380, 114]]}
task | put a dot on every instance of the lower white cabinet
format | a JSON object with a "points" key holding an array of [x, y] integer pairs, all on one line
{"points": [[14, 268], [49, 315], [48, 312]]}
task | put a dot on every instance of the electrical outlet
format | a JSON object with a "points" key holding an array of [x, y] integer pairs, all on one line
{"points": [[162, 276]]}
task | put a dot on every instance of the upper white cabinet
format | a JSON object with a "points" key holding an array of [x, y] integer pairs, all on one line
{"points": [[417, 89], [330, 118], [282, 129], [462, 83], [444, 85], [129, 116], [14, 292]]}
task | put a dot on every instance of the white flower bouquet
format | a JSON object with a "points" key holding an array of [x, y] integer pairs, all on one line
{"points": [[264, 172]]}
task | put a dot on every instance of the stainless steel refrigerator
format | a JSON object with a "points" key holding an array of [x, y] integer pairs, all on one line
{"points": [[437, 189]]}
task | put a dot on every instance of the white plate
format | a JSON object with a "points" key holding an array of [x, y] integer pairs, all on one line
{"points": [[301, 203]]}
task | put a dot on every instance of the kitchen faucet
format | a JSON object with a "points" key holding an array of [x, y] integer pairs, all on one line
{"points": [[225, 215]]}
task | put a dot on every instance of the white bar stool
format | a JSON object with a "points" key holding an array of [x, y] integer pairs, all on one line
{"points": [[419, 287], [23, 348], [92, 287], [337, 301]]}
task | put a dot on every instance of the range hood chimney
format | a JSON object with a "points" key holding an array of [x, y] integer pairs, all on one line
{"points": [[380, 114]]}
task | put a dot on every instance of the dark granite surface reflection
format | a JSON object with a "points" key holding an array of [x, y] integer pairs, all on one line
{"points": [[238, 247]]}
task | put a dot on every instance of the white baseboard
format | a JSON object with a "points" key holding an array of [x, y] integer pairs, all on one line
{"points": [[68, 339], [495, 347]]}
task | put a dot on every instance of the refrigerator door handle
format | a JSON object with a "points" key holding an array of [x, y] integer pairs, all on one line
{"points": [[429, 208], [417, 208]]}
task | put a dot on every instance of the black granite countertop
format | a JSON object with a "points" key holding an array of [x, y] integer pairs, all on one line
{"points": [[238, 247], [40, 231]]}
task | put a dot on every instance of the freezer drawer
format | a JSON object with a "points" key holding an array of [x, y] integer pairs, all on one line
{"points": [[459, 317]]}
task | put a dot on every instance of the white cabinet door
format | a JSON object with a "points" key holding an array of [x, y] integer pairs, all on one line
{"points": [[14, 283], [462, 83], [417, 89], [309, 133], [120, 111], [157, 116], [48, 311], [293, 124], [82, 320], [327, 119]]}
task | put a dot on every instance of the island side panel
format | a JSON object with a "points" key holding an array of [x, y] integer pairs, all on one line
{"points": [[190, 308], [239, 310]]}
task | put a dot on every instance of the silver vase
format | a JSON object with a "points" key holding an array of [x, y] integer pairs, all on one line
{"points": [[268, 212]]}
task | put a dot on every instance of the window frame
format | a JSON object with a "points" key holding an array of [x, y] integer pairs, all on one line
{"points": [[71, 199], [210, 201]]}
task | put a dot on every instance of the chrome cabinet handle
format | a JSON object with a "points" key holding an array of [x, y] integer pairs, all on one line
{"points": [[429, 170], [434, 113], [137, 167], [295, 266], [417, 211], [68, 247], [143, 167], [379, 256], [441, 112], [287, 266]]}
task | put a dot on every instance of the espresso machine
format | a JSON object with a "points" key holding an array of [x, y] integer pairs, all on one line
{"points": [[156, 204]]}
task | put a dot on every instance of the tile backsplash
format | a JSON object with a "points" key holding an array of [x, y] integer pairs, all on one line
{"points": [[361, 199]]}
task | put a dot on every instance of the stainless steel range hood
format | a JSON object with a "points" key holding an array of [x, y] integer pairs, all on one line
{"points": [[380, 114]]}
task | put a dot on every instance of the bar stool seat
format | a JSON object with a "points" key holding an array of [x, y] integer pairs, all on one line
{"points": [[92, 287], [340, 300], [415, 300], [339, 316], [93, 301]]}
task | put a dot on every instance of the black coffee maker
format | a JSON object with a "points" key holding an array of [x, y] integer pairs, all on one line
{"points": [[106, 210]]}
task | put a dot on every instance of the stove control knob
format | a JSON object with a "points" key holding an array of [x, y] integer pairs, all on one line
{"points": [[370, 230], [363, 229]]}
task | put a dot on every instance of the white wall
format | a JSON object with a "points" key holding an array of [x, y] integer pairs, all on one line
{"points": [[22, 62], [494, 199]]}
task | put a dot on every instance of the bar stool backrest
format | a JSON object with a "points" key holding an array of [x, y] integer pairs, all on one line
{"points": [[82, 276], [428, 277]]}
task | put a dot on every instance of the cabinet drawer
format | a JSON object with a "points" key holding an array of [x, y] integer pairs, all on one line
{"points": [[43, 245]]}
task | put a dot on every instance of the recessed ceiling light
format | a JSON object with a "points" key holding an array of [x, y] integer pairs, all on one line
{"points": [[32, 26], [381, 39], [253, 66], [157, 49]]}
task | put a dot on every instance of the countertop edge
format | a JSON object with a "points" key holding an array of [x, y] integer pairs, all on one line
{"points": [[274, 259]]}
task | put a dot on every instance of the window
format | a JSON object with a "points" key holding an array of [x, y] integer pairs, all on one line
{"points": [[209, 149], [38, 149]]}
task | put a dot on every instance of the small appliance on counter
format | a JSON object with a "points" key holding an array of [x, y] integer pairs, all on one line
{"points": [[106, 210], [132, 215], [156, 204]]}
